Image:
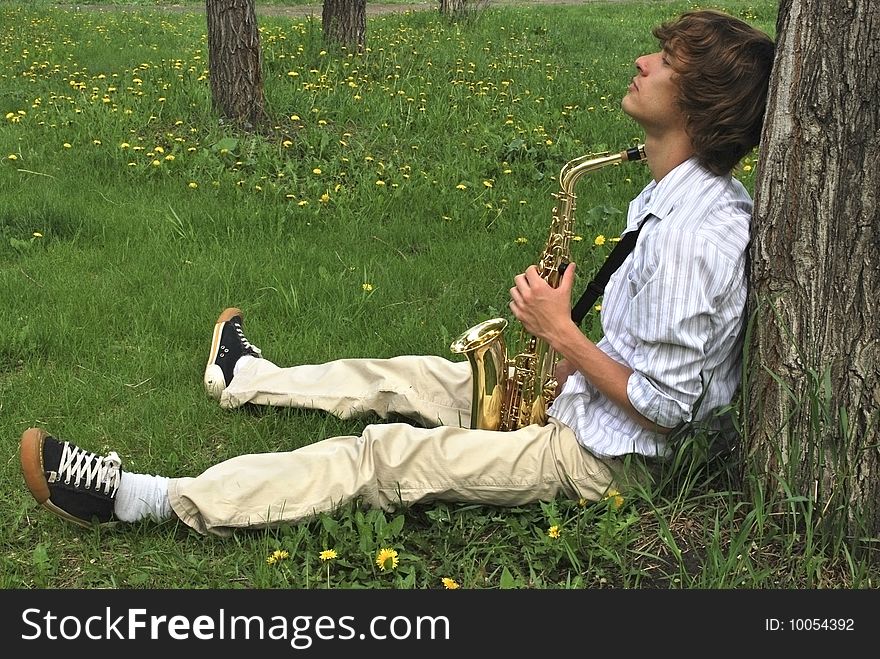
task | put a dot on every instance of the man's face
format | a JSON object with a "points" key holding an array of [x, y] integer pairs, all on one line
{"points": [[651, 97]]}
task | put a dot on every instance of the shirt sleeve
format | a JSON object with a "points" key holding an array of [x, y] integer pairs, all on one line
{"points": [[674, 300]]}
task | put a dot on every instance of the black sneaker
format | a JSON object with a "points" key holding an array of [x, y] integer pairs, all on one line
{"points": [[228, 345], [73, 484]]}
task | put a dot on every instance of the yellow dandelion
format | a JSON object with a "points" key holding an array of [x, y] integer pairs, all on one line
{"points": [[156, 163], [488, 184], [615, 497], [316, 171], [554, 531], [328, 555], [461, 186], [193, 185], [12, 156], [386, 559], [325, 198], [169, 157], [450, 584], [521, 240], [380, 182], [37, 234], [367, 287], [600, 240], [598, 307], [277, 555], [66, 145]]}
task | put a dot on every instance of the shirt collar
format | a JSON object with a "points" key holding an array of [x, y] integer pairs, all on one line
{"points": [[660, 198]]}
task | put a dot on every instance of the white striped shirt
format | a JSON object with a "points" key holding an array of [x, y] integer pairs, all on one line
{"points": [[673, 312]]}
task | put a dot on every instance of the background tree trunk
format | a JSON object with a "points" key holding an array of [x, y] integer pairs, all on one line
{"points": [[812, 375], [449, 7], [344, 22], [461, 8], [235, 61]]}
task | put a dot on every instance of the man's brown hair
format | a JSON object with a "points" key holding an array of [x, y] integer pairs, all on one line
{"points": [[722, 67]]}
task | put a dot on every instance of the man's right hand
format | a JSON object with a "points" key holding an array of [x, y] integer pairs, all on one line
{"points": [[563, 369]]}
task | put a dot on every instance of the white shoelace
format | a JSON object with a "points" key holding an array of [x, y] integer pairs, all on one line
{"points": [[88, 470], [247, 344]]}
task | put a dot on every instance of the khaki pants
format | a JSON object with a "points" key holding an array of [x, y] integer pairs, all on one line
{"points": [[389, 464]]}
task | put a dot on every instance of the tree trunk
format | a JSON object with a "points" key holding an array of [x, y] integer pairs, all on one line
{"points": [[344, 22], [449, 7], [235, 61], [812, 374], [461, 8]]}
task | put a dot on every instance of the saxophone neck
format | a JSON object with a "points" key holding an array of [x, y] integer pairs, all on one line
{"points": [[573, 169]]}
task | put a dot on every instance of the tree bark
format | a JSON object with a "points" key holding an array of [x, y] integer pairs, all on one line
{"points": [[235, 61], [459, 8], [344, 22], [449, 7], [812, 373]]}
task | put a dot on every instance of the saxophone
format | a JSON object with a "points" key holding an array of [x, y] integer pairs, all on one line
{"points": [[512, 393]]}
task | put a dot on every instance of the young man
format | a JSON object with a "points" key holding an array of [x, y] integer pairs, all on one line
{"points": [[672, 319]]}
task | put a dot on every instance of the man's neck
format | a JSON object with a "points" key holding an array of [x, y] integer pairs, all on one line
{"points": [[666, 152]]}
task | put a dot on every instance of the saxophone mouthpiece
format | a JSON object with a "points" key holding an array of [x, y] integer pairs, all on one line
{"points": [[635, 153]]}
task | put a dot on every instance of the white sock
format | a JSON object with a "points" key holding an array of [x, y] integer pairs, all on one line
{"points": [[243, 361], [141, 496]]}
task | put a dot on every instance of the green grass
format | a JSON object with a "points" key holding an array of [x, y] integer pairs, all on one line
{"points": [[388, 209]]}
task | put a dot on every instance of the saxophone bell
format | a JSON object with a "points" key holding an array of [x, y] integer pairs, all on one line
{"points": [[484, 347]]}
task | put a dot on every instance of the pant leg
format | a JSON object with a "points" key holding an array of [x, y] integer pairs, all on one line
{"points": [[428, 389], [388, 465]]}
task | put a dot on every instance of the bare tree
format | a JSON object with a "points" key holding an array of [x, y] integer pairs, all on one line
{"points": [[235, 61], [813, 357], [344, 22]]}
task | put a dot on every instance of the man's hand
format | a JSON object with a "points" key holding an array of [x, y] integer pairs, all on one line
{"points": [[543, 310], [561, 372]]}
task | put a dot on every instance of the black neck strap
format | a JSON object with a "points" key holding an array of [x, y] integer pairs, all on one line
{"points": [[597, 286]]}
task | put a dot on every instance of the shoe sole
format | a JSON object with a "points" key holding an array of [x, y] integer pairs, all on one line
{"points": [[31, 457], [213, 379], [31, 454]]}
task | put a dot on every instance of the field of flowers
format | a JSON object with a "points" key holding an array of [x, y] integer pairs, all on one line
{"points": [[386, 209]]}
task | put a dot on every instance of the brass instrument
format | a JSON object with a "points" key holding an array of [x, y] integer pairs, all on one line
{"points": [[511, 393]]}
